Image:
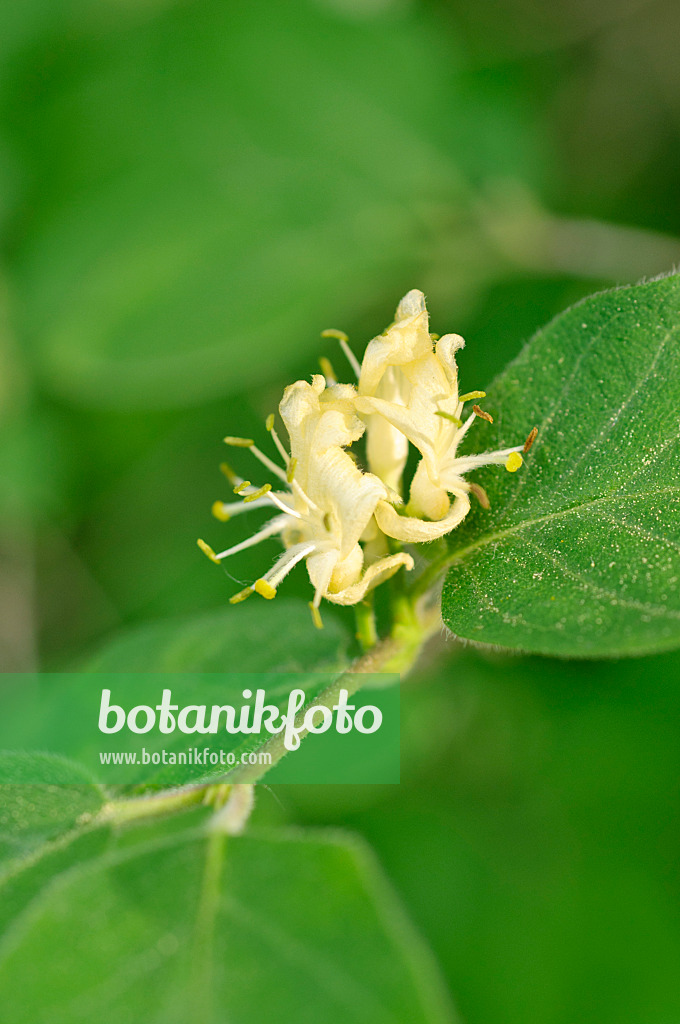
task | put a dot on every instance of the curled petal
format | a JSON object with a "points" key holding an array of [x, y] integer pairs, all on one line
{"points": [[376, 573], [419, 531], [407, 339]]}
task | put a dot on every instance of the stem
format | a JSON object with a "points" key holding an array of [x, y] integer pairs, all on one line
{"points": [[204, 928], [122, 812], [396, 653], [366, 634]]}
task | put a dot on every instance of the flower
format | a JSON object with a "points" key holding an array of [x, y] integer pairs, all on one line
{"points": [[331, 514], [327, 505], [413, 388]]}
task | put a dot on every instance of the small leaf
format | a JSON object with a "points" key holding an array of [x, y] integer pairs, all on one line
{"points": [[198, 927], [580, 553]]}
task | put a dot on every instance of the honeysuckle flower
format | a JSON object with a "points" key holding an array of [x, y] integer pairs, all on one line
{"points": [[327, 503], [413, 387]]}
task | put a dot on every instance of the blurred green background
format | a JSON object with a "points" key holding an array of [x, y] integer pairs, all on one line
{"points": [[189, 193]]}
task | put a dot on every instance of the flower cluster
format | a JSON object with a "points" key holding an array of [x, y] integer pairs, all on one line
{"points": [[338, 517]]}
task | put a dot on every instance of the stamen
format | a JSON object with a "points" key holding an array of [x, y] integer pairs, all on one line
{"points": [[207, 550], [331, 332], [480, 494], [530, 440], [282, 451], [219, 510], [343, 339], [288, 560], [239, 442], [280, 504], [265, 489], [435, 337], [514, 461], [292, 466], [242, 595], [275, 525], [236, 508], [231, 476], [328, 371], [316, 615], [483, 415], [266, 461], [449, 416], [242, 486], [305, 497], [265, 589], [470, 395], [466, 426], [269, 422]]}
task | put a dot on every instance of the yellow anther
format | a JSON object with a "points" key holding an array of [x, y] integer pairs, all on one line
{"points": [[327, 370], [483, 415], [330, 332], [207, 550], [435, 337], [292, 466], [241, 596], [264, 589], [258, 494], [514, 461], [449, 416], [231, 476], [239, 442], [472, 395], [316, 615], [243, 486], [219, 512], [269, 422]]}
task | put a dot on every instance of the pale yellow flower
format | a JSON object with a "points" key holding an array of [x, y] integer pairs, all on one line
{"points": [[411, 385], [327, 505]]}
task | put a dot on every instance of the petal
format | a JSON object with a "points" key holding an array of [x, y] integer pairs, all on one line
{"points": [[407, 339], [419, 531], [386, 451], [375, 574], [427, 499], [346, 494], [320, 568], [412, 304], [446, 349], [413, 427]]}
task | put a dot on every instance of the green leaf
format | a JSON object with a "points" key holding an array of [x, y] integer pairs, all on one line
{"points": [[199, 927], [31, 815], [257, 636], [260, 636], [188, 212], [579, 555]]}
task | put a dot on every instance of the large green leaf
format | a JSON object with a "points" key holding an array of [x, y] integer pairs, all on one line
{"points": [[184, 211], [580, 552], [173, 927]]}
